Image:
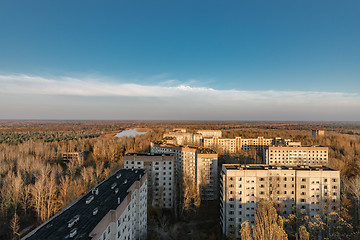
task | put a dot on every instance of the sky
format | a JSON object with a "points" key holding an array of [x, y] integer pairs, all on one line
{"points": [[180, 60]]}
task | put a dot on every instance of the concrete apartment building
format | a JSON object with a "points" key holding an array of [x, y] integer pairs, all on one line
{"points": [[180, 136], [199, 164], [237, 144], [312, 190], [70, 156], [115, 209], [290, 155], [317, 133], [207, 173], [210, 133], [233, 145], [160, 169]]}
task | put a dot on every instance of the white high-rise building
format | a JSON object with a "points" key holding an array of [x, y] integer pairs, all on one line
{"points": [[199, 164], [290, 155], [313, 190], [160, 169]]}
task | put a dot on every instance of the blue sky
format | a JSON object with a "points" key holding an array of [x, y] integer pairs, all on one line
{"points": [[204, 60]]}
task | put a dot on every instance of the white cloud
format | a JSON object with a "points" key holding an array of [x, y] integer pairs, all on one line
{"points": [[36, 85]]}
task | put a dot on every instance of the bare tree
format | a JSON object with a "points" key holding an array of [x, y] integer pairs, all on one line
{"points": [[303, 233], [268, 224], [15, 226], [353, 186], [245, 231], [26, 199]]}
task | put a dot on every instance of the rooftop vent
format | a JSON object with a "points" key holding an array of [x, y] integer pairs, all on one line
{"points": [[118, 175], [95, 211], [95, 191], [73, 232], [74, 220], [89, 199], [113, 185]]}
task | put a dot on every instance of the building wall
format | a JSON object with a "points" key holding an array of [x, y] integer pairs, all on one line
{"points": [[182, 138], [161, 176], [188, 163], [317, 133], [207, 176], [210, 133], [296, 155], [241, 189], [233, 145]]}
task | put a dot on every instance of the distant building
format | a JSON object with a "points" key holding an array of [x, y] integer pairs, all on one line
{"points": [[237, 144], [183, 130], [180, 136], [200, 164], [296, 155], [114, 209], [317, 133], [69, 156], [312, 190], [233, 145], [160, 169], [210, 133]]}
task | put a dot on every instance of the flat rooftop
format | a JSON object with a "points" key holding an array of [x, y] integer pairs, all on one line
{"points": [[202, 150], [299, 147], [106, 200], [150, 154], [276, 167]]}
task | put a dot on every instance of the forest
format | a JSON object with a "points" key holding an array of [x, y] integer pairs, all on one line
{"points": [[36, 182]]}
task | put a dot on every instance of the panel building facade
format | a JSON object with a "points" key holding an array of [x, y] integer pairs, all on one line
{"points": [[296, 155], [317, 133], [116, 209], [233, 145], [160, 169], [199, 164], [311, 190]]}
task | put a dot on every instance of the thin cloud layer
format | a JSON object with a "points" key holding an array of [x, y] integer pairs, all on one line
{"points": [[37, 85]]}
